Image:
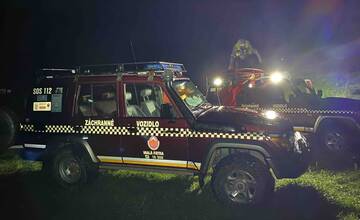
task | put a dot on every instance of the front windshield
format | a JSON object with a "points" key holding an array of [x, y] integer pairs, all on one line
{"points": [[285, 92], [262, 94], [189, 94]]}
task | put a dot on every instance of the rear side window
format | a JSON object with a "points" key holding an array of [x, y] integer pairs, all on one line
{"points": [[97, 100]]}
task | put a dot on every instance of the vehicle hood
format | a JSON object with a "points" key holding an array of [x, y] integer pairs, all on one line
{"points": [[239, 120]]}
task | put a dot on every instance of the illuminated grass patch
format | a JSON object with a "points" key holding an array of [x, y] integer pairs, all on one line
{"points": [[143, 195]]}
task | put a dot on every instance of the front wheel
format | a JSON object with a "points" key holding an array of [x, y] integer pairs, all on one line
{"points": [[335, 140], [242, 181]]}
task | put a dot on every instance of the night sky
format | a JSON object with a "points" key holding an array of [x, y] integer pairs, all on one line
{"points": [[200, 34]]}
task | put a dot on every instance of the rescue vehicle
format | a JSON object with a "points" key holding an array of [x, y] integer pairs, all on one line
{"points": [[149, 116], [332, 122]]}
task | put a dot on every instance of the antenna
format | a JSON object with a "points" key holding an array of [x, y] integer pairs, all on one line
{"points": [[132, 51]]}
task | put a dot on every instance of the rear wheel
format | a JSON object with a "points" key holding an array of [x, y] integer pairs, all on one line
{"points": [[242, 181], [69, 170], [8, 129]]}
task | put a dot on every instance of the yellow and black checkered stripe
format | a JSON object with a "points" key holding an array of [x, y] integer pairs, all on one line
{"points": [[140, 131], [307, 111]]}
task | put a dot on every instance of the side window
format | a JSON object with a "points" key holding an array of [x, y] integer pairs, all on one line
{"points": [[85, 101], [97, 100], [144, 100]]}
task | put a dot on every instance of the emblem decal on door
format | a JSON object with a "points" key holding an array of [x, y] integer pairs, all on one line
{"points": [[153, 143]]}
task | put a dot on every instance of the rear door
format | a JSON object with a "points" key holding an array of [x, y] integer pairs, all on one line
{"points": [[152, 140], [96, 117]]}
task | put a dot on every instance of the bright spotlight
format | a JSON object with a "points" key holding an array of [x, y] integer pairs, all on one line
{"points": [[276, 77], [269, 114], [218, 82]]}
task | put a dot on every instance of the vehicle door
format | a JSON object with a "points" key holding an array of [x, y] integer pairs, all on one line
{"points": [[96, 116], [153, 138]]}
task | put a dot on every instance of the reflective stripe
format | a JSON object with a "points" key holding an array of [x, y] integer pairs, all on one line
{"points": [[109, 159], [16, 147], [27, 127], [307, 111], [304, 129], [141, 131], [40, 146], [151, 162]]}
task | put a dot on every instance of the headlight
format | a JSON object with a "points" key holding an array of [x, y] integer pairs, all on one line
{"points": [[218, 82], [270, 114], [276, 77]]}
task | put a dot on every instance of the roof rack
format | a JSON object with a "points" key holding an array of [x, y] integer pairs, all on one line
{"points": [[105, 69], [51, 72], [155, 66]]}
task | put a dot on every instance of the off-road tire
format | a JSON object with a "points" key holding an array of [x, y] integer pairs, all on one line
{"points": [[250, 168], [335, 140], [84, 171], [8, 129]]}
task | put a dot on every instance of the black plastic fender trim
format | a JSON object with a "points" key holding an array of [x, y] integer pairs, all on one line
{"points": [[342, 118], [249, 147], [58, 142]]}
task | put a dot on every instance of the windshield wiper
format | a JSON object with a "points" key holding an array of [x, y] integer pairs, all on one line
{"points": [[204, 105]]}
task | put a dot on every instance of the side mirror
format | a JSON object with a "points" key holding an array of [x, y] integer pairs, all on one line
{"points": [[320, 93], [167, 111]]}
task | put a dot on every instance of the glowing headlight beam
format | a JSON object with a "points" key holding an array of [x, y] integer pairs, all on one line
{"points": [[269, 114], [218, 81], [276, 77]]}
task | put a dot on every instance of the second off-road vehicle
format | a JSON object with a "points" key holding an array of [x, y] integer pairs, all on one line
{"points": [[334, 122]]}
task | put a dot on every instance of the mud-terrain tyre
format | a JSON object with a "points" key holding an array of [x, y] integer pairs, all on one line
{"points": [[335, 140], [242, 181], [8, 129], [69, 170]]}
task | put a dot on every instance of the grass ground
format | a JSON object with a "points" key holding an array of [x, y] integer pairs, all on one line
{"points": [[26, 193]]}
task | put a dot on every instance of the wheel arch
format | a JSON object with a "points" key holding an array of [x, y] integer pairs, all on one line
{"points": [[251, 149], [344, 121], [79, 145]]}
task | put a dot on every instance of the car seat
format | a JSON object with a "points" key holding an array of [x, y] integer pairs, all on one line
{"points": [[147, 105], [107, 105], [85, 106], [132, 110]]}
